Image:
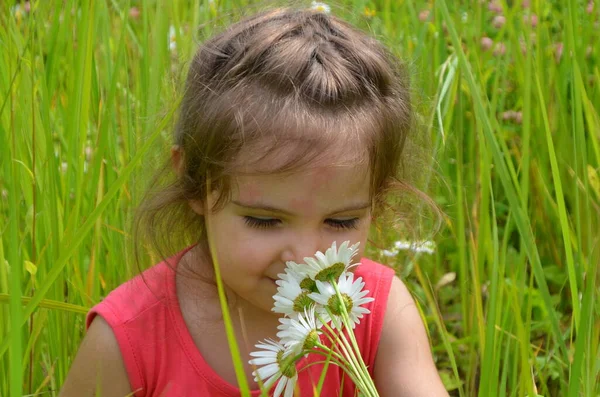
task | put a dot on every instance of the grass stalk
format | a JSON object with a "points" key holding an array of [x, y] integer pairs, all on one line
{"points": [[231, 339], [521, 218]]}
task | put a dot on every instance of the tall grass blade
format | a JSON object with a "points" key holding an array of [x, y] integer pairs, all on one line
{"points": [[521, 219]]}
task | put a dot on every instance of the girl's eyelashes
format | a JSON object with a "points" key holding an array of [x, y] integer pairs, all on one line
{"points": [[343, 223], [266, 223], [260, 223]]}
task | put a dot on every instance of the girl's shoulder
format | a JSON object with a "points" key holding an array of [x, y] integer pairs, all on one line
{"points": [[134, 297], [378, 281], [377, 277], [370, 268], [142, 314]]}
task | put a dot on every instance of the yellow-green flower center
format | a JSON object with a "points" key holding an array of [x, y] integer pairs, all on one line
{"points": [[311, 340], [334, 271], [309, 284], [335, 305], [287, 366], [302, 301]]}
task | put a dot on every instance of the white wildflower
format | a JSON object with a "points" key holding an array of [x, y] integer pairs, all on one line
{"points": [[427, 247], [173, 38], [332, 263], [294, 272], [278, 365], [20, 11], [301, 334], [322, 7], [353, 297], [290, 298]]}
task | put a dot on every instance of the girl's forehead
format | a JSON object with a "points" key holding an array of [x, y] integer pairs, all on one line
{"points": [[306, 191], [298, 156], [312, 178], [300, 176]]}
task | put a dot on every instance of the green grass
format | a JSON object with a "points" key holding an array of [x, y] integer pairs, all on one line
{"points": [[87, 97]]}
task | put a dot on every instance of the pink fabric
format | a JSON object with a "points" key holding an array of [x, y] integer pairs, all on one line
{"points": [[162, 360]]}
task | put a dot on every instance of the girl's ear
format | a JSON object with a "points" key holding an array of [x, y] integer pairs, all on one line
{"points": [[177, 162], [177, 159], [197, 206]]}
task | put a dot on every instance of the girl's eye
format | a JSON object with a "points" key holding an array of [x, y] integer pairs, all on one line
{"points": [[343, 224], [260, 223]]}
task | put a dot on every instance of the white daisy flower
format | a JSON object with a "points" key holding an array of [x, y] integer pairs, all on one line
{"points": [[353, 297], [427, 247], [322, 7], [290, 274], [301, 334], [172, 38], [333, 262], [390, 253], [290, 299], [303, 273], [277, 366]]}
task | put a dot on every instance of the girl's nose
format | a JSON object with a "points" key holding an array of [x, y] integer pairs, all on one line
{"points": [[304, 245]]}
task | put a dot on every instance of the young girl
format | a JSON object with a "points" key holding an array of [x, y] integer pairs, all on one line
{"points": [[290, 137]]}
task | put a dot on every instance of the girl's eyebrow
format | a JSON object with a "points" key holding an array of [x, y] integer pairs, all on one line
{"points": [[268, 208]]}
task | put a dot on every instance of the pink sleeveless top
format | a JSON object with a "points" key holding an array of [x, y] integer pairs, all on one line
{"points": [[162, 360]]}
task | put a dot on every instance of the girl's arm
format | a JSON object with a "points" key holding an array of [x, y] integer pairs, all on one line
{"points": [[404, 365], [98, 369]]}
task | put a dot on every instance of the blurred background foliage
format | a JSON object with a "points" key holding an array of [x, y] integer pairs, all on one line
{"points": [[508, 95]]}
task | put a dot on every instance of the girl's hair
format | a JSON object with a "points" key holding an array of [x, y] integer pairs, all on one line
{"points": [[298, 87]]}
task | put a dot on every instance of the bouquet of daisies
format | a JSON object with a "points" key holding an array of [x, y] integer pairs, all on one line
{"points": [[320, 299]]}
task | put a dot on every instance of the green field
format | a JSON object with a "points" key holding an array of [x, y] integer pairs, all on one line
{"points": [[509, 103]]}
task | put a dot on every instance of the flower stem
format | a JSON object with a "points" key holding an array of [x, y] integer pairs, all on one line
{"points": [[338, 356], [340, 361], [362, 370], [354, 370]]}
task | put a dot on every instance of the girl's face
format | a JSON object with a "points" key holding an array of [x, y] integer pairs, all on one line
{"points": [[272, 219]]}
